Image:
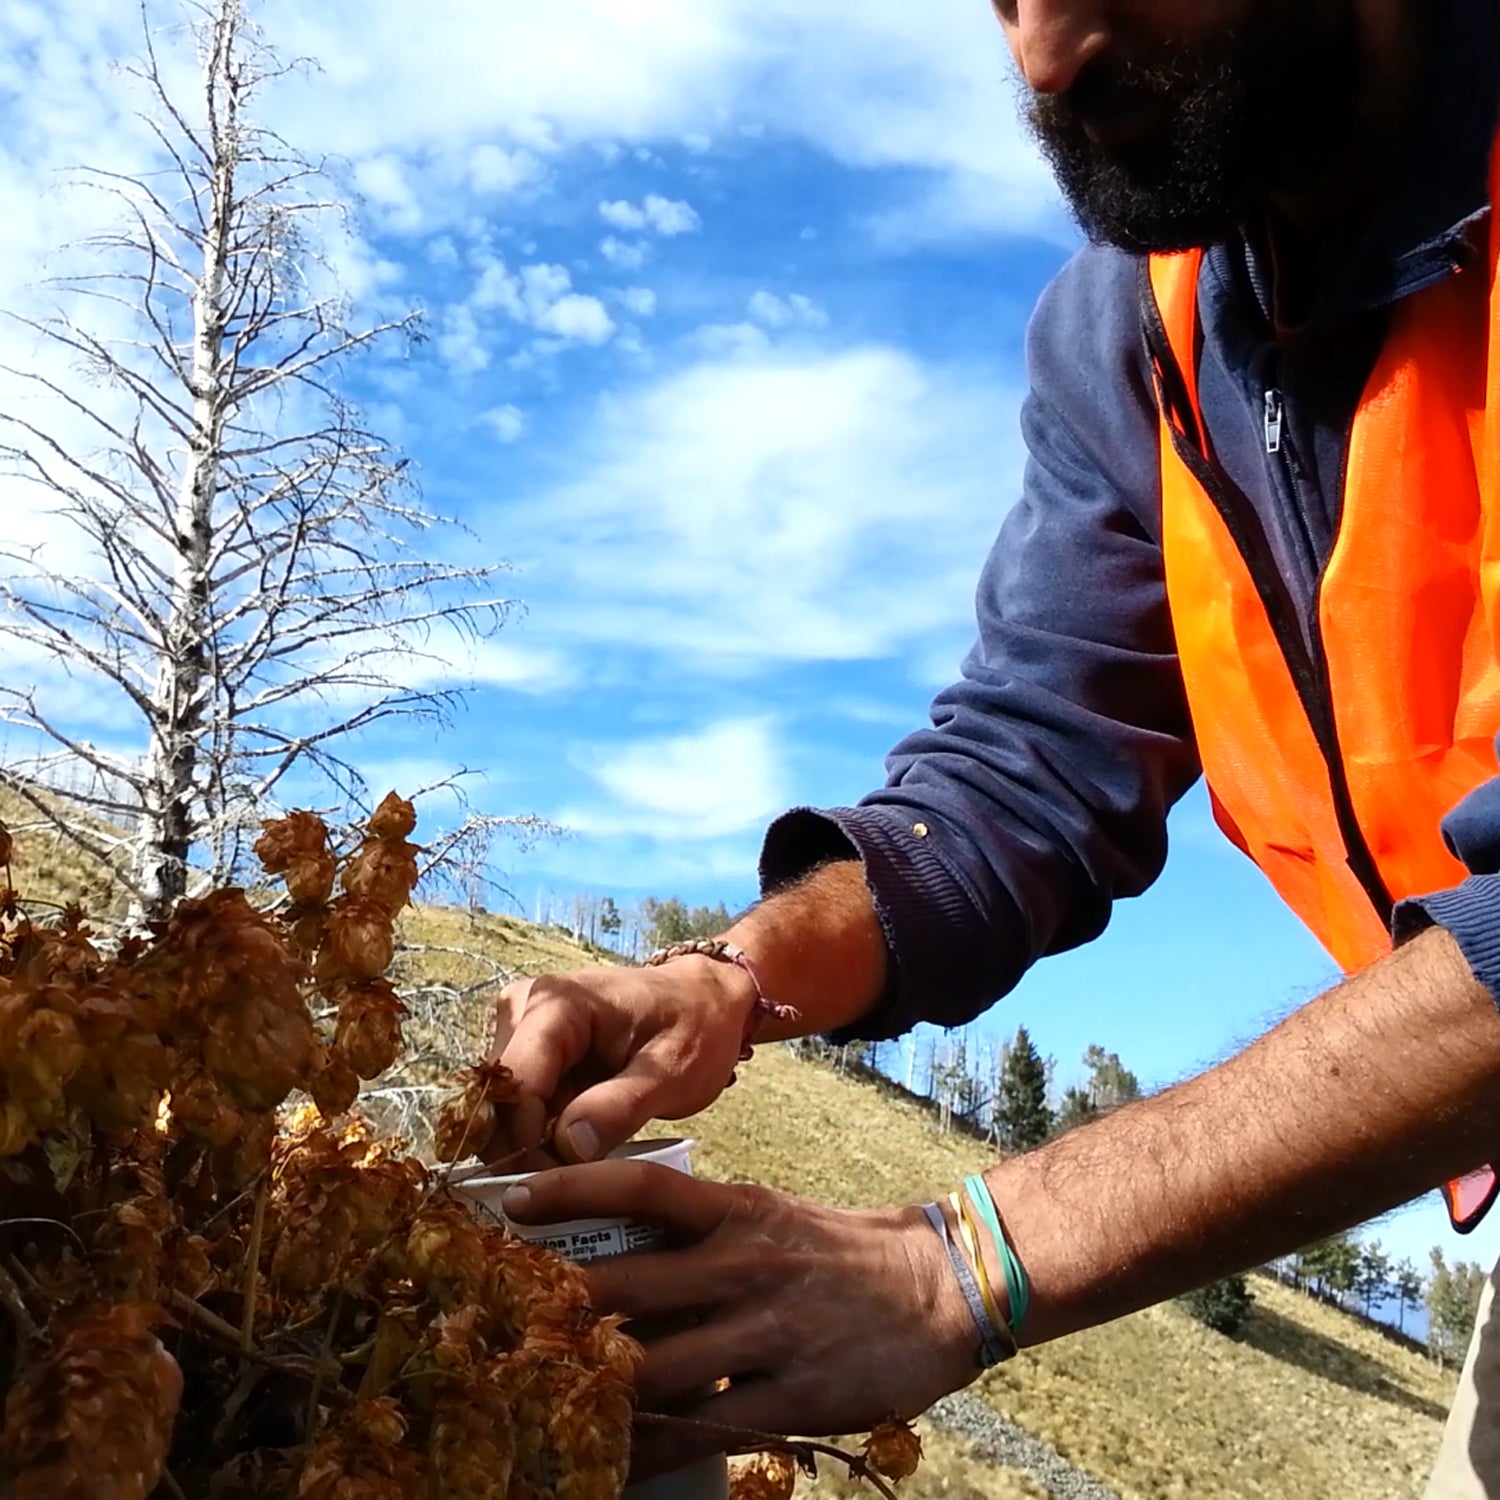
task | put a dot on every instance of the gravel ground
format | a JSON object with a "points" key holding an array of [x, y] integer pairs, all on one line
{"points": [[968, 1417]]}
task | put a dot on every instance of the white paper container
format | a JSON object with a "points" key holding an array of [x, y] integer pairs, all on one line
{"points": [[581, 1239], [594, 1239]]}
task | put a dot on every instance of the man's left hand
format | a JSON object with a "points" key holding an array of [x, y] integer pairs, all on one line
{"points": [[824, 1320]]}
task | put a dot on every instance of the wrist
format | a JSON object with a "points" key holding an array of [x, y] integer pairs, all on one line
{"points": [[723, 953], [946, 1312], [730, 996]]}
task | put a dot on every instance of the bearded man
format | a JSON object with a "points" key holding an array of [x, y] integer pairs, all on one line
{"points": [[1258, 540]]}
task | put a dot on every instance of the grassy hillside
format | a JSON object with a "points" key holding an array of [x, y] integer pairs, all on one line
{"points": [[1310, 1404], [1307, 1405], [49, 869]]}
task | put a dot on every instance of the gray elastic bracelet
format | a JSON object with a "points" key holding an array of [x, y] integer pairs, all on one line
{"points": [[995, 1344]]}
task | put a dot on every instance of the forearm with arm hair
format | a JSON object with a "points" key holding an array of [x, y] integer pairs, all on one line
{"points": [[1374, 1093], [817, 946]]}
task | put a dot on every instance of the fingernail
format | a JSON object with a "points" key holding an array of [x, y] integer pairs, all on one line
{"points": [[516, 1200], [583, 1141]]}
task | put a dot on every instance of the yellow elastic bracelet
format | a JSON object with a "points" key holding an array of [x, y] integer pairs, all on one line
{"points": [[970, 1234]]}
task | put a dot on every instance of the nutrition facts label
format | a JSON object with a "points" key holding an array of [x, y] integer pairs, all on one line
{"points": [[595, 1243]]}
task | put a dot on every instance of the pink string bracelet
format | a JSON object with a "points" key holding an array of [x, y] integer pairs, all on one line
{"points": [[717, 949]]}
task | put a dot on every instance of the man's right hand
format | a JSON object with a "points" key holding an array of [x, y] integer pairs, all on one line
{"points": [[600, 1052], [603, 1051]]}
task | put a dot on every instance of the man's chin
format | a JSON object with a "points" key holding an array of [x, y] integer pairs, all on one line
{"points": [[1142, 221]]}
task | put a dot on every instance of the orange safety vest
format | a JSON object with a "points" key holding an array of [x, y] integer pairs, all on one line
{"points": [[1333, 763]]}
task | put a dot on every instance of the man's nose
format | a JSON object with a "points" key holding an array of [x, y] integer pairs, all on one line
{"points": [[1053, 40]]}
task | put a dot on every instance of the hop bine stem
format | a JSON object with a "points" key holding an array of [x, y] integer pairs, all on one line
{"points": [[739, 1442]]}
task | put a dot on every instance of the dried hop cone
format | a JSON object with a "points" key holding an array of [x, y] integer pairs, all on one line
{"points": [[360, 1457], [471, 1120], [472, 1447], [395, 818], [893, 1449], [229, 977], [333, 1083], [94, 1417], [384, 871], [359, 943], [40, 1050], [310, 877], [369, 1026], [299, 835], [445, 1254], [767, 1476], [126, 1065]]}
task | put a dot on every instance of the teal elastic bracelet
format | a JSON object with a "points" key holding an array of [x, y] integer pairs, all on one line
{"points": [[996, 1343], [1017, 1284]]}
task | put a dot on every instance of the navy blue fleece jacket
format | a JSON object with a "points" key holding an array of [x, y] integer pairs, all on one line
{"points": [[1040, 794]]}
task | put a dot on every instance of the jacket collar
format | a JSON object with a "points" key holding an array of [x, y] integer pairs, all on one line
{"points": [[1431, 220]]}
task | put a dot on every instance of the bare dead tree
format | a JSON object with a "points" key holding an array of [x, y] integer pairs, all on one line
{"points": [[265, 583]]}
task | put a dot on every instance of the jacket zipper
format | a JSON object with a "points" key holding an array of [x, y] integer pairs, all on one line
{"points": [[1275, 418], [1308, 667]]}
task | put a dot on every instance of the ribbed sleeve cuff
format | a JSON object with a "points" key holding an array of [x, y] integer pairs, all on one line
{"points": [[1471, 913], [933, 927]]}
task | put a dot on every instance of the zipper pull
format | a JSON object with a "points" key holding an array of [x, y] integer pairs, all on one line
{"points": [[1274, 416]]}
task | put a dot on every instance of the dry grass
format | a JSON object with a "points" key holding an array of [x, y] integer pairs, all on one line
{"points": [[516, 946], [1310, 1405], [48, 869]]}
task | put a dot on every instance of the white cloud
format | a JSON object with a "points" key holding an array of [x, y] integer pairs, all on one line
{"points": [[622, 254], [581, 318], [383, 183], [493, 169], [460, 342], [776, 507], [724, 779], [508, 423], [794, 311], [885, 84], [639, 300], [730, 340], [667, 217], [622, 216], [504, 663], [539, 296], [542, 285]]}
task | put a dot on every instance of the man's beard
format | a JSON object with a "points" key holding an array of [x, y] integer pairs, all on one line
{"points": [[1202, 136]]}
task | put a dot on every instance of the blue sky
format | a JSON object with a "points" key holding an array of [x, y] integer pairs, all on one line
{"points": [[726, 305]]}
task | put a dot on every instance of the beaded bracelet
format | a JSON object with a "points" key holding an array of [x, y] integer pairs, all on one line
{"points": [[996, 1342], [717, 949]]}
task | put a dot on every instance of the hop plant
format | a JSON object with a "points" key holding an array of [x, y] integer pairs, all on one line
{"points": [[340, 1326]]}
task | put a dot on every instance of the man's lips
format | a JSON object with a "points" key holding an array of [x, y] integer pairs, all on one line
{"points": [[1119, 130]]}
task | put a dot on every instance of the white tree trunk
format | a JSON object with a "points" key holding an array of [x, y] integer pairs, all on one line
{"points": [[165, 837]]}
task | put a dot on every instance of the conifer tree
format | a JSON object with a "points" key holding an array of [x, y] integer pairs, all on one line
{"points": [[1077, 1109], [1022, 1116], [1452, 1303]]}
